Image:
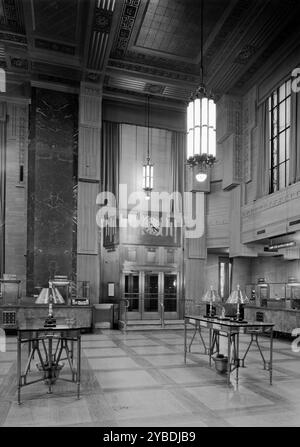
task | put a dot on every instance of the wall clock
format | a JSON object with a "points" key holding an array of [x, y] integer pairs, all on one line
{"points": [[151, 225]]}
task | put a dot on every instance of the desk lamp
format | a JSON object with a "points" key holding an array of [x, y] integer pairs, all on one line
{"points": [[50, 320], [211, 296], [237, 297]]}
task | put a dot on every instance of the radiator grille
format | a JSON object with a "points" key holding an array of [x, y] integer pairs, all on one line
{"points": [[260, 316], [9, 318]]}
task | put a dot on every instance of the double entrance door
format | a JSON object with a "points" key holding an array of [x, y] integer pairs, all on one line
{"points": [[151, 293]]}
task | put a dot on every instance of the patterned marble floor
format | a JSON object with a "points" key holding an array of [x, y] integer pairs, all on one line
{"points": [[140, 379]]}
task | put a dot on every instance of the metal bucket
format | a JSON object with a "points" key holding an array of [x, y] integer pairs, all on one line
{"points": [[221, 364]]}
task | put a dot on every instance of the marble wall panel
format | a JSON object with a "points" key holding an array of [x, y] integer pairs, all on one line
{"points": [[52, 187]]}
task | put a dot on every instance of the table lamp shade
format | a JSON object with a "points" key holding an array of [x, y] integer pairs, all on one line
{"points": [[237, 297], [211, 296]]}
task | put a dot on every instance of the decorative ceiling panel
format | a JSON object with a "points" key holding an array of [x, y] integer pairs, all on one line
{"points": [[126, 25], [11, 16], [173, 27], [56, 18]]}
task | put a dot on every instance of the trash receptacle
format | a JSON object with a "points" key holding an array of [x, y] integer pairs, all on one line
{"points": [[103, 316], [116, 316]]}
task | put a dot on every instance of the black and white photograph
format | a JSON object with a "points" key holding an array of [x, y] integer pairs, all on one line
{"points": [[149, 217]]}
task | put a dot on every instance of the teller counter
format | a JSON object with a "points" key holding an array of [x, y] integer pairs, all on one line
{"points": [[285, 320], [13, 315]]}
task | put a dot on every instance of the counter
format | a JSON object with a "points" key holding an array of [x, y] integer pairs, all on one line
{"points": [[13, 314], [285, 320]]}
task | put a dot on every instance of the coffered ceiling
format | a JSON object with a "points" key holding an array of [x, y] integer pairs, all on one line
{"points": [[139, 47]]}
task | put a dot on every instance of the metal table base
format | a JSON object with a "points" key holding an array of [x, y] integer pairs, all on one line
{"points": [[50, 346], [231, 330]]}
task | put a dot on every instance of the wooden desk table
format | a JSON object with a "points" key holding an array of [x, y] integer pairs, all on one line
{"points": [[232, 330], [49, 343]]}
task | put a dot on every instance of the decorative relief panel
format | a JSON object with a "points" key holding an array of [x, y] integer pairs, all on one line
{"points": [[232, 162], [229, 137], [89, 154], [22, 140], [87, 226], [90, 105], [272, 215], [247, 156], [229, 110], [249, 122]]}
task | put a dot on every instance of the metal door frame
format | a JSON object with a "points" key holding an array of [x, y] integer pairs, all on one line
{"points": [[172, 315], [142, 314]]}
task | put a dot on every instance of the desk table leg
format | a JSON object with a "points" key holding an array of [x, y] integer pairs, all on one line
{"points": [[236, 360], [19, 368], [78, 365], [185, 340], [210, 345], [50, 365], [271, 357], [229, 357]]}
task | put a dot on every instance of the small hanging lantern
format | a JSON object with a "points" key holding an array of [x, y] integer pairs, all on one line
{"points": [[148, 178], [148, 166]]}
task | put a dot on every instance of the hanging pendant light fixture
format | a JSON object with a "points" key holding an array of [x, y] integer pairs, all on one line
{"points": [[148, 166], [201, 124]]}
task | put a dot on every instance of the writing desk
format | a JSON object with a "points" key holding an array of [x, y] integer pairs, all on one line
{"points": [[232, 330], [48, 343]]}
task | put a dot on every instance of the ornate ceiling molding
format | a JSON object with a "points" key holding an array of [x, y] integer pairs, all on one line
{"points": [[13, 38], [54, 46], [127, 22], [99, 39], [145, 69], [107, 91]]}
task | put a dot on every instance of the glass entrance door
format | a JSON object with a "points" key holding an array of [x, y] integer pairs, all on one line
{"points": [[151, 302], [170, 295], [132, 294], [148, 293]]}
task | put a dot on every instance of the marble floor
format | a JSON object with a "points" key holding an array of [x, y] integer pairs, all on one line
{"points": [[140, 379]]}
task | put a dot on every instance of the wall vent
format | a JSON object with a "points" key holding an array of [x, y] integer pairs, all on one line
{"points": [[294, 222], [261, 232]]}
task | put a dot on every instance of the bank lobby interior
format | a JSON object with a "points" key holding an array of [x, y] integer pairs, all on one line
{"points": [[149, 213]]}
